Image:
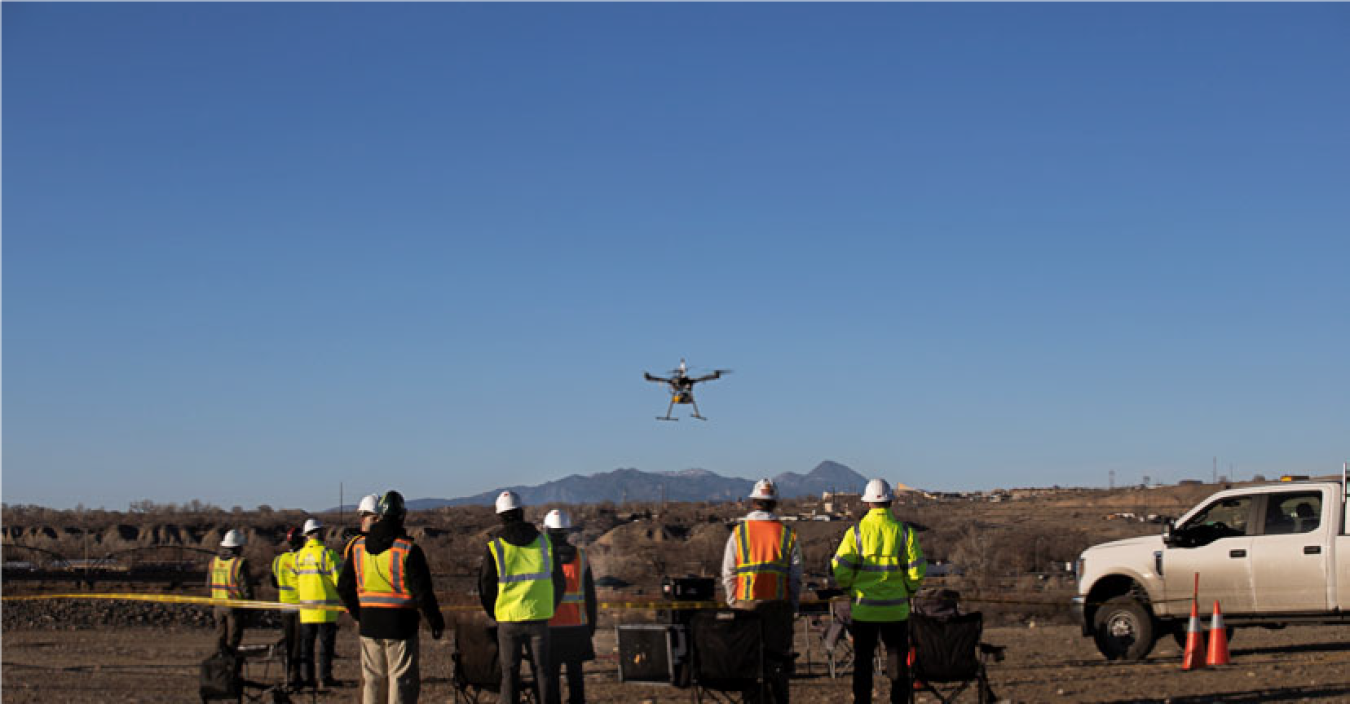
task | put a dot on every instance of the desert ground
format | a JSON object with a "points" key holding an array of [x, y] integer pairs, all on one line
{"points": [[1043, 664], [1009, 553]]}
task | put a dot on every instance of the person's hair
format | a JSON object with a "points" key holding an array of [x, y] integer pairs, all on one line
{"points": [[764, 504], [515, 515]]}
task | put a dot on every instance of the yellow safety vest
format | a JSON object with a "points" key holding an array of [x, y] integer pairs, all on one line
{"points": [[382, 580], [524, 580], [763, 556], [316, 573], [572, 610], [879, 561], [225, 582], [283, 568]]}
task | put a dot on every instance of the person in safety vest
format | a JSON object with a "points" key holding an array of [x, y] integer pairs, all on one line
{"points": [[880, 564], [384, 586], [230, 578], [365, 511], [762, 572], [316, 573], [573, 624], [520, 585], [283, 578]]}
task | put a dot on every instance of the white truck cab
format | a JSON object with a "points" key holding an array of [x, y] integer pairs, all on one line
{"points": [[1269, 554]]}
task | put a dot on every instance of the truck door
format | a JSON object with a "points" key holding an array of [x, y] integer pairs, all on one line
{"points": [[1289, 553], [1215, 543]]}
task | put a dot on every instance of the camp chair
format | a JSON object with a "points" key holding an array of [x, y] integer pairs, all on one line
{"points": [[476, 664], [836, 639], [947, 651], [224, 676], [728, 656]]}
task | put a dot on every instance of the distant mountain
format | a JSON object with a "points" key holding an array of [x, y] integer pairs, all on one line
{"points": [[683, 485]]}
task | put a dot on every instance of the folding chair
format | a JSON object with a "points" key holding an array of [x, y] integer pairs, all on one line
{"points": [[728, 656], [476, 665], [948, 651], [836, 639]]}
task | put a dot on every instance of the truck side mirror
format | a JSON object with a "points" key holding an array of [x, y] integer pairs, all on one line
{"points": [[1168, 539]]}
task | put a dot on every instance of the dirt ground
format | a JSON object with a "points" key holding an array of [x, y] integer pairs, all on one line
{"points": [[1044, 664]]}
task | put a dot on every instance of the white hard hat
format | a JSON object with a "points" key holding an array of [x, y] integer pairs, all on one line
{"points": [[764, 489], [234, 538], [877, 491], [557, 520], [311, 525], [507, 500], [369, 504]]}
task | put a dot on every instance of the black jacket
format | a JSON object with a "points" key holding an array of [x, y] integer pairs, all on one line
{"points": [[394, 624], [518, 534]]}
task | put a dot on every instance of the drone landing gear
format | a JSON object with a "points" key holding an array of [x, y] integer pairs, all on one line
{"points": [[695, 413]]}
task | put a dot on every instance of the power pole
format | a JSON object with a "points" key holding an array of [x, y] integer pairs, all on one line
{"points": [[1113, 479], [1216, 471]]}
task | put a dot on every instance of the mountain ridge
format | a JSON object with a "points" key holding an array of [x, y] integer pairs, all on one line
{"points": [[631, 484]]}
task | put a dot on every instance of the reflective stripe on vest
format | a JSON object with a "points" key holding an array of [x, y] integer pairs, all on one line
{"points": [[524, 580], [381, 580], [763, 553], [316, 572], [882, 577], [283, 569], [225, 578], [572, 610]]}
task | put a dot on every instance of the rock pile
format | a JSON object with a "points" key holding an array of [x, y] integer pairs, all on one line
{"points": [[80, 614]]}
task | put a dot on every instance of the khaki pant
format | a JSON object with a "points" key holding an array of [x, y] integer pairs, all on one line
{"points": [[389, 671]]}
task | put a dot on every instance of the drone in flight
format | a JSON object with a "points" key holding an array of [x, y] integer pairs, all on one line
{"points": [[681, 387]]}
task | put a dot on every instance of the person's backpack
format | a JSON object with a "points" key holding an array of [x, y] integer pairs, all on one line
{"points": [[222, 676]]}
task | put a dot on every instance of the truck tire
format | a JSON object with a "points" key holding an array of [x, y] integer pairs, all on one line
{"points": [[1123, 629]]}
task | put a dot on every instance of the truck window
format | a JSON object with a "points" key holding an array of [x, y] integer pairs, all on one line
{"points": [[1293, 512], [1225, 518]]}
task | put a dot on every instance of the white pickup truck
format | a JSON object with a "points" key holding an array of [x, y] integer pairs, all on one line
{"points": [[1270, 554]]}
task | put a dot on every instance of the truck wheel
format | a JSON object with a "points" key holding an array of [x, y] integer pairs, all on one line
{"points": [[1123, 629]]}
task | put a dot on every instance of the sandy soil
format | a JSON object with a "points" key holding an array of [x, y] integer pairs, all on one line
{"points": [[1044, 664]]}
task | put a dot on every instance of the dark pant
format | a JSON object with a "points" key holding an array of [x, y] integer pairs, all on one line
{"points": [[895, 634], [290, 635], [229, 628], [576, 681], [326, 635], [512, 639], [776, 619]]}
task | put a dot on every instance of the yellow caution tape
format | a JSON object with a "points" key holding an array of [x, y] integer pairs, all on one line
{"points": [[607, 605]]}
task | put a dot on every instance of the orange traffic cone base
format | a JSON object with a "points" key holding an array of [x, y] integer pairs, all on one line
{"points": [[1218, 640]]}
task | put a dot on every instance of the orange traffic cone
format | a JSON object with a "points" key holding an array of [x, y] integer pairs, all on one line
{"points": [[1194, 642], [1218, 640]]}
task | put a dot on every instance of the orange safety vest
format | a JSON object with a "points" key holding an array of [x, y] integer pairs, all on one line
{"points": [[381, 580], [763, 553], [572, 610]]}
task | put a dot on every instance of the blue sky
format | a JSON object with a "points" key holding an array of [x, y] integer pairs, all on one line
{"points": [[255, 250]]}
